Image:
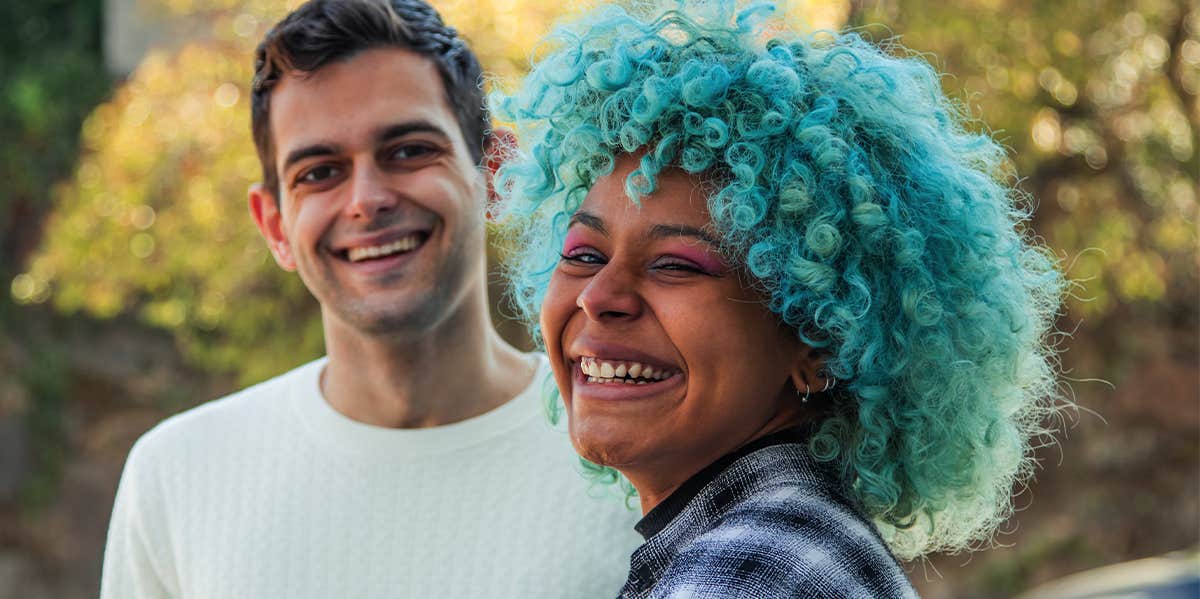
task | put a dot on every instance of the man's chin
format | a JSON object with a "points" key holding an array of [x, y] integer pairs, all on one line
{"points": [[389, 320]]}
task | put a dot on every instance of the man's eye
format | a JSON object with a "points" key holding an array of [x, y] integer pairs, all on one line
{"points": [[318, 173], [406, 152]]}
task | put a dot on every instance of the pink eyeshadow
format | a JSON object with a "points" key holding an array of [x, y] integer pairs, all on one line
{"points": [[573, 240], [705, 260]]}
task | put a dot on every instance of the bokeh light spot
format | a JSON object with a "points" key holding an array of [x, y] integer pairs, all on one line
{"points": [[226, 95], [142, 217], [142, 245]]}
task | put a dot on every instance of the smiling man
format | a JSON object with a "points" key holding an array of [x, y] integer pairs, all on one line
{"points": [[414, 459]]}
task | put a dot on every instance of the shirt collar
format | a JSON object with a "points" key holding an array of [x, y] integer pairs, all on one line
{"points": [[666, 511]]}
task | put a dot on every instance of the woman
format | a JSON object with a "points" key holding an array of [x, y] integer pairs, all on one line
{"points": [[784, 295]]}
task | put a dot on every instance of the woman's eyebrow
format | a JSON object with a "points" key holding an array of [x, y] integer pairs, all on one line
{"points": [[588, 220], [660, 231], [668, 231]]}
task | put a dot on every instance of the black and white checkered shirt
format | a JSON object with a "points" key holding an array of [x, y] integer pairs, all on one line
{"points": [[765, 521]]}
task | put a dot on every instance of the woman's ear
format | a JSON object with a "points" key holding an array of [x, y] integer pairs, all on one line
{"points": [[809, 374]]}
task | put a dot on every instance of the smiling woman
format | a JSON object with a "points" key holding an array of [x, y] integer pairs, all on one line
{"points": [[645, 288], [798, 237]]}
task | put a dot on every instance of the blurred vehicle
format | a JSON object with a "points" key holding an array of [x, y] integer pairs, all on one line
{"points": [[1171, 576]]}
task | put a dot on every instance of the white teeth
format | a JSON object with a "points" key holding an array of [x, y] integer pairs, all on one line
{"points": [[598, 371], [403, 244]]}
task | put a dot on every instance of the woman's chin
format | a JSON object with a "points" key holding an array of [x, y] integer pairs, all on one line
{"points": [[604, 447]]}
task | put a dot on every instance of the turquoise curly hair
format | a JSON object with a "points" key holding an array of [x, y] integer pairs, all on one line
{"points": [[850, 189]]}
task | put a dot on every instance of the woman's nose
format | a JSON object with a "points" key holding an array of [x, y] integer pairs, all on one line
{"points": [[610, 294]]}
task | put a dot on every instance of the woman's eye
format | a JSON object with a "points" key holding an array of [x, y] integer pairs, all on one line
{"points": [[674, 266], [582, 257]]}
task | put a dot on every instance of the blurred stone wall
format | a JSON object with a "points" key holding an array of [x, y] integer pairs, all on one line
{"points": [[133, 27]]}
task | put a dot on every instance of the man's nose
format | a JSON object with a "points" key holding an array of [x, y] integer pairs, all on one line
{"points": [[370, 192], [611, 294]]}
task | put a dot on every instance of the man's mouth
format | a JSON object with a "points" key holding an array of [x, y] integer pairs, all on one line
{"points": [[403, 245], [625, 372]]}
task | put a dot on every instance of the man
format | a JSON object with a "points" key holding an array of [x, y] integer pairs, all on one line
{"points": [[414, 460]]}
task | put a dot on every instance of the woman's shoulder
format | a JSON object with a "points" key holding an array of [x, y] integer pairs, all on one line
{"points": [[787, 542]]}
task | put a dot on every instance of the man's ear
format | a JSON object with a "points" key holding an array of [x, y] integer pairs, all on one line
{"points": [[264, 208], [502, 146]]}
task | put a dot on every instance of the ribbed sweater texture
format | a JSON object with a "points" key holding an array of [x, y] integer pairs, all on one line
{"points": [[270, 492]]}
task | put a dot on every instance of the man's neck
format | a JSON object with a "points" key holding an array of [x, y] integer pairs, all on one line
{"points": [[456, 372]]}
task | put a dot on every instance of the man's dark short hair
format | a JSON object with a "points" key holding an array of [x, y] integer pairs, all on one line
{"points": [[321, 32]]}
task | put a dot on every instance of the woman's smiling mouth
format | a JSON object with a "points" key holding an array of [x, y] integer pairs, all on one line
{"points": [[608, 379], [627, 372]]}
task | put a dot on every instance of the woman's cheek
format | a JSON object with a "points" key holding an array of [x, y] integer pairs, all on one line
{"points": [[557, 307], [558, 300]]}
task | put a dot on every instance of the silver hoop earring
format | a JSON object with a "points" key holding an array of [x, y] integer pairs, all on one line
{"points": [[830, 382], [807, 392]]}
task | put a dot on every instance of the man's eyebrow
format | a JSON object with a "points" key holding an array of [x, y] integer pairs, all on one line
{"points": [[299, 154], [588, 220], [667, 231], [390, 132]]}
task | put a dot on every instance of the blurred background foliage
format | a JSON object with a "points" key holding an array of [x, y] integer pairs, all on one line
{"points": [[123, 208], [51, 74], [1097, 102]]}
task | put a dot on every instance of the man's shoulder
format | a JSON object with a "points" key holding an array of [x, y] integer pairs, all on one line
{"points": [[257, 407]]}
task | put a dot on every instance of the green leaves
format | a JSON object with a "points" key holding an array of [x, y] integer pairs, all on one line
{"points": [[1098, 104]]}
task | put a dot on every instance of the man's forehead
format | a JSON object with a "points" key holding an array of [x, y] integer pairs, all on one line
{"points": [[351, 99]]}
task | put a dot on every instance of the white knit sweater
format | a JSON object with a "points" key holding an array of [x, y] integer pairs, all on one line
{"points": [[270, 492]]}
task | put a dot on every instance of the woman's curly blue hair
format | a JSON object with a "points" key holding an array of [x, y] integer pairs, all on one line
{"points": [[848, 186]]}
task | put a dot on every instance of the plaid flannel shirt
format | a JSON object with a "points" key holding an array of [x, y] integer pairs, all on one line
{"points": [[765, 521]]}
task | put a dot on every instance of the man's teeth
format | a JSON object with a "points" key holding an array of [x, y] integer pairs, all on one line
{"points": [[630, 373], [404, 244]]}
